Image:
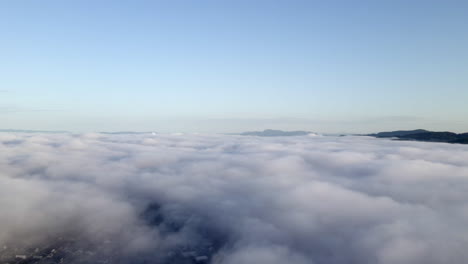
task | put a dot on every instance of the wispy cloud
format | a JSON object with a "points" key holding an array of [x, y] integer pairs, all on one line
{"points": [[17, 109]]}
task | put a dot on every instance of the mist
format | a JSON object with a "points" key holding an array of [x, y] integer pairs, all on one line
{"points": [[224, 199]]}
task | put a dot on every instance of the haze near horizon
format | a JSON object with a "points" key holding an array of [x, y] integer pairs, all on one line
{"points": [[233, 66]]}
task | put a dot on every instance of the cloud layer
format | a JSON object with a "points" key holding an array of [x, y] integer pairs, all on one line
{"points": [[232, 199]]}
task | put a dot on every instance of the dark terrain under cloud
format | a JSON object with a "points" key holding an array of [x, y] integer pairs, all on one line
{"points": [[98, 198]]}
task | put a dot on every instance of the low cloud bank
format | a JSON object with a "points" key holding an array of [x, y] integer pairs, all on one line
{"points": [[97, 198]]}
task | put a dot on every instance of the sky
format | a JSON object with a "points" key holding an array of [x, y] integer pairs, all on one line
{"points": [[231, 66]]}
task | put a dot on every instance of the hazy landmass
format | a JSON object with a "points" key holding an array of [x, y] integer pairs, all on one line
{"points": [[127, 132], [425, 135], [33, 131], [275, 133], [398, 133]]}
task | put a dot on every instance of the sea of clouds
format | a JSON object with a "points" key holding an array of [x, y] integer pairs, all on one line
{"points": [[238, 199]]}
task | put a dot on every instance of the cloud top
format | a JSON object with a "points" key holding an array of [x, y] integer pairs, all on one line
{"points": [[233, 199]]}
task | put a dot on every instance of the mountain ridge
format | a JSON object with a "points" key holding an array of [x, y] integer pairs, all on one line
{"points": [[424, 135]]}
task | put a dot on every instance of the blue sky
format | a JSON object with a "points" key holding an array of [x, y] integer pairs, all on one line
{"points": [[228, 66]]}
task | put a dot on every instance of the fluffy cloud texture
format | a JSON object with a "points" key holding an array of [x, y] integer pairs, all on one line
{"points": [[233, 199]]}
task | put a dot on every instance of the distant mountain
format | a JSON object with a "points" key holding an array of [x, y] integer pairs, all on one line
{"points": [[33, 131], [126, 133], [275, 133], [432, 136], [424, 135], [398, 133], [461, 141]]}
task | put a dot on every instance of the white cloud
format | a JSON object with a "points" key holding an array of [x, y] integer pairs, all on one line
{"points": [[238, 199]]}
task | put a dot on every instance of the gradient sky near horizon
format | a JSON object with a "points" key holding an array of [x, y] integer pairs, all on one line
{"points": [[230, 66]]}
